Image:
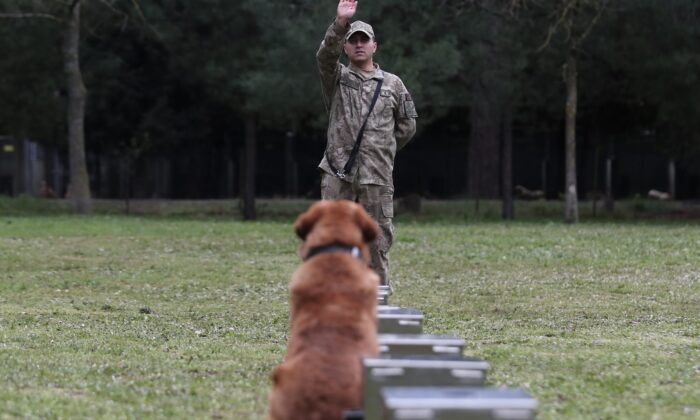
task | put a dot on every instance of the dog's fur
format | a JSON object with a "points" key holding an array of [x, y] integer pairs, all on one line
{"points": [[333, 317]]}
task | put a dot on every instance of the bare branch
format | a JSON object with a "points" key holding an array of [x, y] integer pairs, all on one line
{"points": [[563, 18], [139, 11], [550, 33], [30, 16], [507, 10], [111, 7], [515, 6], [599, 12]]}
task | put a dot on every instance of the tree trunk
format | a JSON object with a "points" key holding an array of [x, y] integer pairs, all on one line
{"points": [[241, 176], [249, 181], [230, 181], [484, 165], [594, 139], [544, 165], [571, 211], [543, 176], [229, 169], [79, 191], [672, 178], [290, 165], [508, 208], [596, 163], [484, 156], [609, 200], [125, 182]]}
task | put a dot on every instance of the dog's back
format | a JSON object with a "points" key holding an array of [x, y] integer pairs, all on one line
{"points": [[333, 325]]}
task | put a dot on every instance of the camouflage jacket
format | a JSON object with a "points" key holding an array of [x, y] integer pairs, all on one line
{"points": [[348, 95]]}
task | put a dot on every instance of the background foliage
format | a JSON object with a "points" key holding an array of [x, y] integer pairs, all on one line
{"points": [[176, 75]]}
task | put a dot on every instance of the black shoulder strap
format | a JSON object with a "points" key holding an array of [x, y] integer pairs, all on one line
{"points": [[356, 148]]}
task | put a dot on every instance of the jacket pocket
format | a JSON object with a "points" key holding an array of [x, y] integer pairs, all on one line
{"points": [[388, 210], [387, 104], [386, 200], [346, 80]]}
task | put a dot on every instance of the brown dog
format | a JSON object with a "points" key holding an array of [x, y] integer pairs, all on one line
{"points": [[333, 315]]}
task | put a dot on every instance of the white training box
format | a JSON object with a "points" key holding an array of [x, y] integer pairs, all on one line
{"points": [[419, 344], [456, 403], [383, 297], [386, 289], [399, 321], [416, 371]]}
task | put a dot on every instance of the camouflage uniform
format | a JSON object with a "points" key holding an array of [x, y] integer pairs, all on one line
{"points": [[348, 94]]}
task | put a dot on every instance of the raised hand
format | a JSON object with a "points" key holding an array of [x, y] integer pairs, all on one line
{"points": [[346, 10]]}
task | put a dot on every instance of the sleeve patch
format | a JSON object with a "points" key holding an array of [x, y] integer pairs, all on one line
{"points": [[409, 106]]}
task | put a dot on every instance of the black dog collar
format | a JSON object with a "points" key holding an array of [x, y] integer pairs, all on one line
{"points": [[325, 249]]}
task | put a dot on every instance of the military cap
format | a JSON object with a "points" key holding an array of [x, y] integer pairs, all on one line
{"points": [[360, 26]]}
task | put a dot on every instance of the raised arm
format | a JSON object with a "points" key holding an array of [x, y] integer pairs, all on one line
{"points": [[332, 47], [346, 10]]}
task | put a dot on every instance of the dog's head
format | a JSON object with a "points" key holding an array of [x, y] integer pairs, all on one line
{"points": [[335, 222]]}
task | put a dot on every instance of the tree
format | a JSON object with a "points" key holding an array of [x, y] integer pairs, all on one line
{"points": [[568, 23], [279, 88], [68, 16], [79, 190], [250, 69], [493, 45], [24, 78], [665, 79], [497, 57], [640, 66]]}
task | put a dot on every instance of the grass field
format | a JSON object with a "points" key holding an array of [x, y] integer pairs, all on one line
{"points": [[185, 316]]}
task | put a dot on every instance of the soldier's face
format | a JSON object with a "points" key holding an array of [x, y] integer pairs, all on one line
{"points": [[360, 48]]}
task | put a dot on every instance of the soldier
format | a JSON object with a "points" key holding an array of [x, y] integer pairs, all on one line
{"points": [[371, 116]]}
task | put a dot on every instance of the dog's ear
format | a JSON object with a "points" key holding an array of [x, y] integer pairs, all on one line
{"points": [[367, 225], [306, 221]]}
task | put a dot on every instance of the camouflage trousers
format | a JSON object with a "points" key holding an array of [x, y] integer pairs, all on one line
{"points": [[378, 201]]}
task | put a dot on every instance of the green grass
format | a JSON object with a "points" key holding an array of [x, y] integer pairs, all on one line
{"points": [[142, 316]]}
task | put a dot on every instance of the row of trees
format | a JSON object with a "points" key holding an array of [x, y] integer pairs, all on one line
{"points": [[155, 75]]}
